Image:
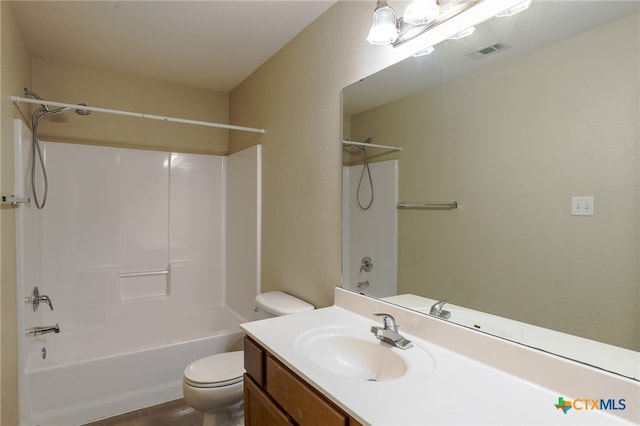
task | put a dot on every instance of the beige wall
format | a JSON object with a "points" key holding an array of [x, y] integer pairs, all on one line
{"points": [[15, 71], [296, 96], [513, 144], [72, 84]]}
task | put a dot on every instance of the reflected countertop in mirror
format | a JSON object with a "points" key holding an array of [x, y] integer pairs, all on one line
{"points": [[517, 137]]}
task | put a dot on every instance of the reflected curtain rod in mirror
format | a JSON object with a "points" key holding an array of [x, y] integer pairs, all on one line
{"points": [[346, 143]]}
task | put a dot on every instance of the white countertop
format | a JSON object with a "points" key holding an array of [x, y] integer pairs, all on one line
{"points": [[459, 390]]}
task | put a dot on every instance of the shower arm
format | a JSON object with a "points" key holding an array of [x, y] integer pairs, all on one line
{"points": [[81, 107]]}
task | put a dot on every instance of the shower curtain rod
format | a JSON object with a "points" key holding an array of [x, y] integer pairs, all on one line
{"points": [[137, 114]]}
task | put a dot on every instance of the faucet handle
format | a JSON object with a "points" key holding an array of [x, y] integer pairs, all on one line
{"points": [[389, 321], [47, 300], [36, 298]]}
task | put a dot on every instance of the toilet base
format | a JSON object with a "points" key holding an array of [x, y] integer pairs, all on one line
{"points": [[232, 416]]}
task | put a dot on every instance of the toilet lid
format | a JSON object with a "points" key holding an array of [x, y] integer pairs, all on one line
{"points": [[216, 370]]}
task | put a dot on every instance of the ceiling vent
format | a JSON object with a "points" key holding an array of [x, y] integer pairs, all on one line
{"points": [[488, 50]]}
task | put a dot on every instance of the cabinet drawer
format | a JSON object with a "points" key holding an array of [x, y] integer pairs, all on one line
{"points": [[259, 408], [254, 357], [303, 403]]}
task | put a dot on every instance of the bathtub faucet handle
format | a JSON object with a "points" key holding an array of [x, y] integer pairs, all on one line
{"points": [[47, 300], [36, 298]]}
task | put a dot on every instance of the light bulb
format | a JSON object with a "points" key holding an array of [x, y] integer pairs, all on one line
{"points": [[384, 28], [421, 12]]}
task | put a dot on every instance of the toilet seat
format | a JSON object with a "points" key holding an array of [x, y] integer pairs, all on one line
{"points": [[215, 371]]}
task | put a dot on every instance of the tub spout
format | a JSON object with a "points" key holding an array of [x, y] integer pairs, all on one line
{"points": [[37, 331], [362, 284]]}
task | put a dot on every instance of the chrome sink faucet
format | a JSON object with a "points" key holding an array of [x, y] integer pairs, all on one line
{"points": [[389, 332], [436, 310]]}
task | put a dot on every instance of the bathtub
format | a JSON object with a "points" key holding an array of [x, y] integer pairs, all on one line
{"points": [[74, 385]]}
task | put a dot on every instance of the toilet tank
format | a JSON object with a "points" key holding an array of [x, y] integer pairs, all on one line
{"points": [[277, 303]]}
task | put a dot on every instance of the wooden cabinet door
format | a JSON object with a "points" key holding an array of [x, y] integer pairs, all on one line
{"points": [[259, 409], [303, 403], [254, 357]]}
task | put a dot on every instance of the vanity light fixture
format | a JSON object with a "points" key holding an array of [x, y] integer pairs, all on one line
{"points": [[420, 16], [384, 29], [421, 12], [520, 7]]}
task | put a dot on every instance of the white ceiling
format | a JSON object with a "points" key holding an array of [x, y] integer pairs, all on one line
{"points": [[210, 44]]}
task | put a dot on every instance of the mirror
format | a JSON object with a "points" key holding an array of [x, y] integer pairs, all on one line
{"points": [[531, 126]]}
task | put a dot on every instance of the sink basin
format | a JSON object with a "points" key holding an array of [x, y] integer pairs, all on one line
{"points": [[352, 354]]}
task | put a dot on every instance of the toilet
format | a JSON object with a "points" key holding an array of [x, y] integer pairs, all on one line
{"points": [[213, 384]]}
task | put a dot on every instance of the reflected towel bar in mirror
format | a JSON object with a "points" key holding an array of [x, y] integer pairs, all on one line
{"points": [[143, 273], [429, 206]]}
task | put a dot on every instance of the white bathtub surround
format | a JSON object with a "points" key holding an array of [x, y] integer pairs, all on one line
{"points": [[131, 249], [477, 379], [373, 232], [243, 229]]}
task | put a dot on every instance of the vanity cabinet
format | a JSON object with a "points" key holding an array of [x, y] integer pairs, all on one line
{"points": [[274, 395]]}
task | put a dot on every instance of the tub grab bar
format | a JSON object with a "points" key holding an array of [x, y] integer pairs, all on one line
{"points": [[143, 274]]}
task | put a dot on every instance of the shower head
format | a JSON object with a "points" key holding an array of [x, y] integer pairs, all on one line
{"points": [[363, 149], [49, 112], [52, 112], [79, 111]]}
